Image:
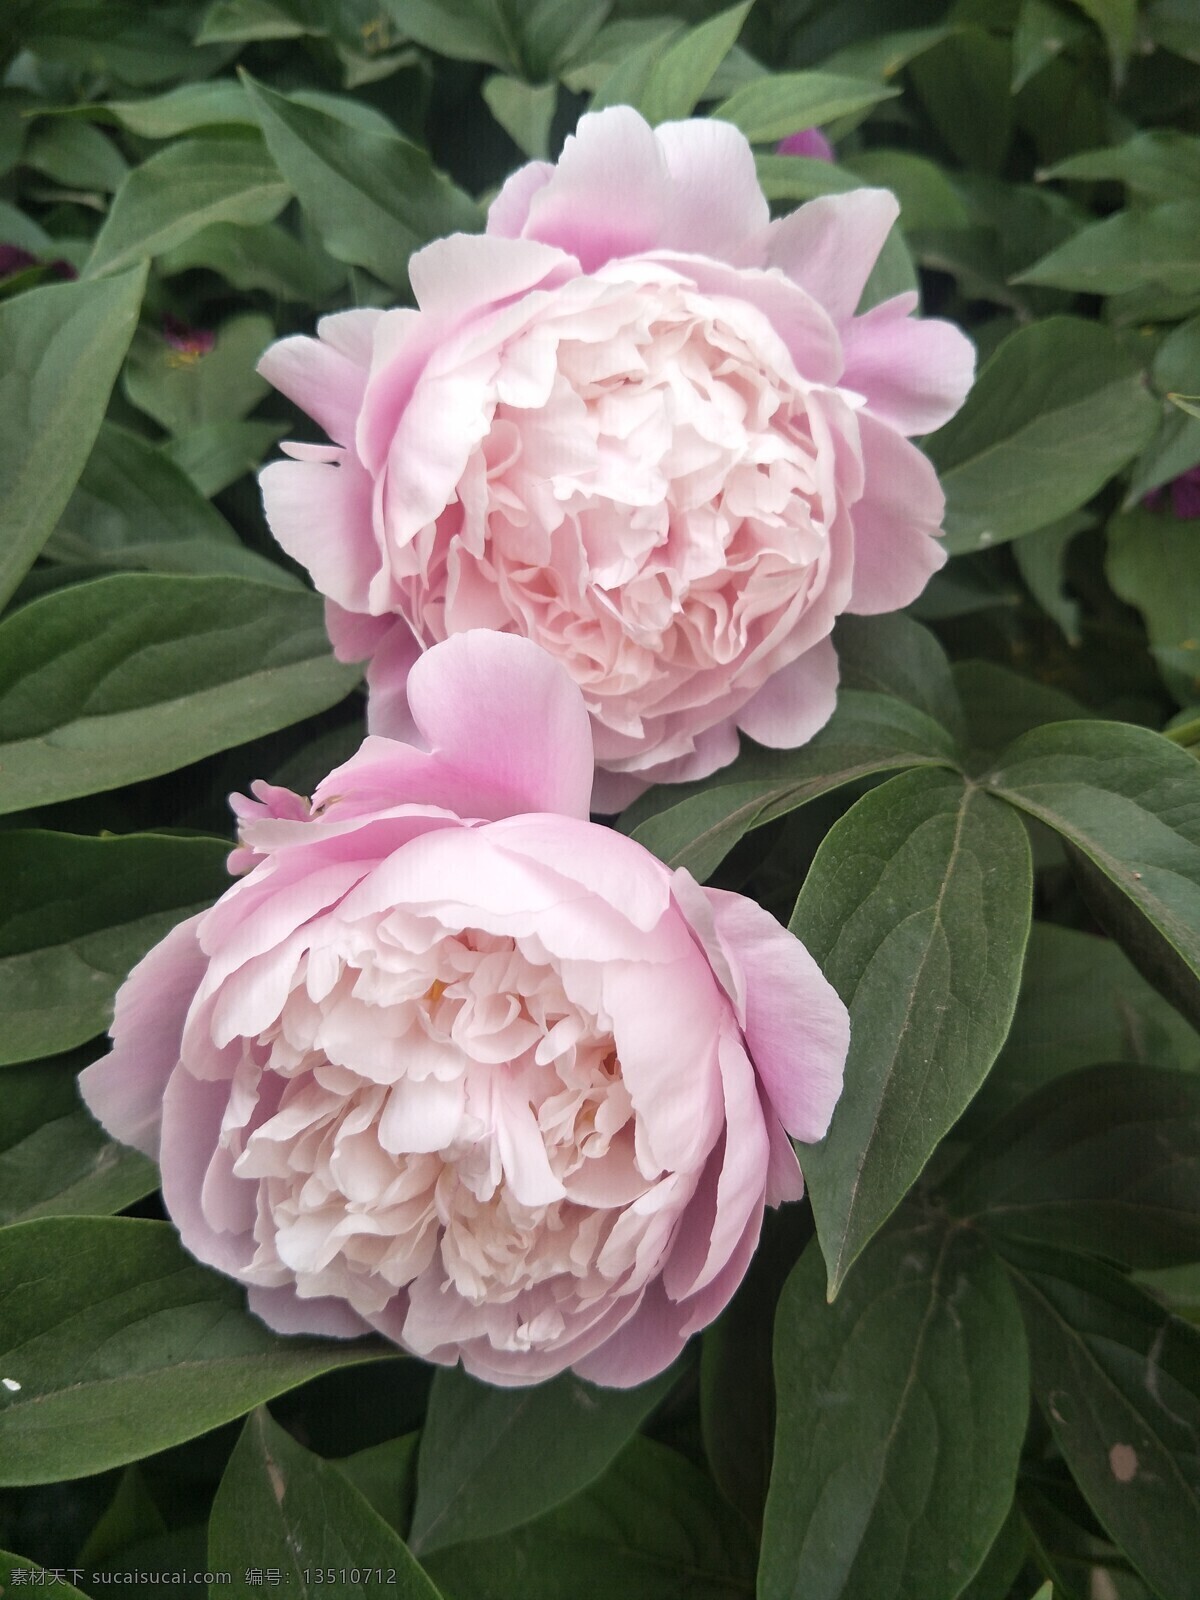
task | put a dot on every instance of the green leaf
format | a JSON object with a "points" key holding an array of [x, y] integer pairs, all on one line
{"points": [[218, 103], [63, 347], [531, 40], [1128, 801], [75, 154], [1156, 248], [917, 909], [1003, 1562], [78, 913], [1154, 564], [901, 1415], [1158, 164], [133, 507], [885, 54], [1041, 557], [181, 189], [1055, 413], [386, 1476], [464, 30], [1042, 33], [130, 676], [492, 1459], [1119, 1380], [373, 198], [1105, 1160], [652, 1528], [1115, 1016], [927, 197], [241, 21], [737, 1382], [131, 1518], [183, 392], [696, 825], [972, 68], [523, 111], [771, 108], [685, 69], [897, 656], [1117, 21], [281, 1506], [219, 453], [1001, 705], [122, 1346], [800, 177], [54, 1158], [258, 258], [127, 42]]}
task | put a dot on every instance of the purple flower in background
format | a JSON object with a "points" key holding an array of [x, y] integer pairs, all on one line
{"points": [[808, 142], [187, 344], [1184, 492], [14, 259]]}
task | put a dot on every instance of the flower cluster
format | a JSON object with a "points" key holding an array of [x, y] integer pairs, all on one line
{"points": [[449, 1060]]}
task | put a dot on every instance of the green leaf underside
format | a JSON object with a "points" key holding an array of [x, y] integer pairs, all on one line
{"points": [[652, 1528], [494, 1458], [63, 346], [130, 676], [281, 1506], [123, 1345], [901, 1416], [77, 914], [917, 908], [1106, 1160], [1119, 1381]]}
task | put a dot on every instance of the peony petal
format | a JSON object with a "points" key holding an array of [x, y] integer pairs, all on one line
{"points": [[830, 245], [284, 1311], [735, 1180], [326, 376], [606, 864], [608, 195], [124, 1090], [797, 1029], [321, 515], [715, 203], [896, 523], [453, 276], [191, 1132], [666, 1024], [785, 1181], [914, 373], [508, 720], [645, 1346], [509, 211], [796, 702]]}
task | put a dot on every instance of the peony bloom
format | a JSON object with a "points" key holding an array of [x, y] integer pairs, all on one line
{"points": [[452, 1062], [640, 424]]}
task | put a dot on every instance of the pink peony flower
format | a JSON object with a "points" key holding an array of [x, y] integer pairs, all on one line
{"points": [[452, 1062], [809, 142], [640, 424]]}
